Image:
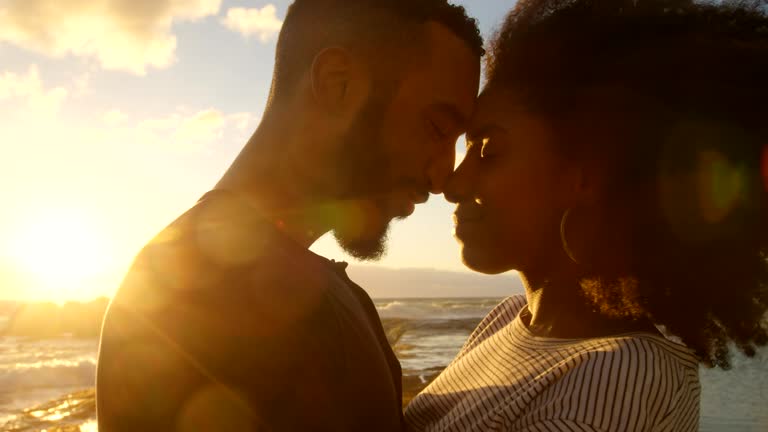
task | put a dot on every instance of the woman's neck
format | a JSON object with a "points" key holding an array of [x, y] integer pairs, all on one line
{"points": [[558, 309]]}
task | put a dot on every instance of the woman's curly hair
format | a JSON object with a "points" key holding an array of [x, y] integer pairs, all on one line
{"points": [[669, 98]]}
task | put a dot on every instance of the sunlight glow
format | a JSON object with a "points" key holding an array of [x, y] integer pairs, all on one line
{"points": [[62, 249]]}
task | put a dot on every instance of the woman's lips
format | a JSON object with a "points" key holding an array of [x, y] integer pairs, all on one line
{"points": [[462, 216], [466, 224], [457, 220]]}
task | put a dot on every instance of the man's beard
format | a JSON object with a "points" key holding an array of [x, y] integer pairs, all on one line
{"points": [[364, 176], [369, 245]]}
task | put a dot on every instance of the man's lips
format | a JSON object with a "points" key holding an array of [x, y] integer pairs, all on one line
{"points": [[407, 209], [419, 197], [408, 206]]}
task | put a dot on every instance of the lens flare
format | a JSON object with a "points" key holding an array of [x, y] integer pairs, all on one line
{"points": [[698, 199], [764, 166], [720, 186]]}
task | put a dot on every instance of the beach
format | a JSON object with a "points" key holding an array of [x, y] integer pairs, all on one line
{"points": [[47, 383]]}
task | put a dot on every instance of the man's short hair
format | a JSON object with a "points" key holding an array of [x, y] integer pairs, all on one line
{"points": [[370, 27]]}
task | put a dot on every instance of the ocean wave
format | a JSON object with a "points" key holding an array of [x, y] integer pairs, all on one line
{"points": [[431, 325], [435, 308], [397, 328], [54, 374], [70, 412]]}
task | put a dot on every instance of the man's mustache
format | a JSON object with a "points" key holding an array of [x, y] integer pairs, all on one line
{"points": [[417, 191]]}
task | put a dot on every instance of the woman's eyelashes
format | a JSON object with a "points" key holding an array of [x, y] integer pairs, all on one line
{"points": [[487, 149]]}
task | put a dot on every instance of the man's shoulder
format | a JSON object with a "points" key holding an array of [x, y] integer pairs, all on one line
{"points": [[220, 240], [219, 266], [220, 275]]}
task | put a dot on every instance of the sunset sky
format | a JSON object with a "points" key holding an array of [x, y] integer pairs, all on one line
{"points": [[117, 115]]}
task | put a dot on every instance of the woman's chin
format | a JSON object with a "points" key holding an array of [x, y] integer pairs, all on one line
{"points": [[483, 261]]}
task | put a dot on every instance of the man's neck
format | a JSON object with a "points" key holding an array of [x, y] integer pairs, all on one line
{"points": [[264, 175]]}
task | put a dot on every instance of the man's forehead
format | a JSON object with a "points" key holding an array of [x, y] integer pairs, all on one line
{"points": [[452, 67], [452, 111]]}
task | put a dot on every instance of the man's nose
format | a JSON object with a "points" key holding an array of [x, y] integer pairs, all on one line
{"points": [[457, 185], [439, 171]]}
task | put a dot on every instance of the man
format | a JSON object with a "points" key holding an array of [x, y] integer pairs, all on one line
{"points": [[226, 321]]}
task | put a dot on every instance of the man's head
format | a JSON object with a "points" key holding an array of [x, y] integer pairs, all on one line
{"points": [[379, 91]]}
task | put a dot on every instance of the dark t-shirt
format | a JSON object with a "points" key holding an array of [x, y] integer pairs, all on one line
{"points": [[224, 323]]}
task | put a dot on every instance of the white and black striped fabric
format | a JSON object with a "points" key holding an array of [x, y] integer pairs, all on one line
{"points": [[507, 379]]}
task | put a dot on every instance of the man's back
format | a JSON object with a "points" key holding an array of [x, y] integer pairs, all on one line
{"points": [[225, 324]]}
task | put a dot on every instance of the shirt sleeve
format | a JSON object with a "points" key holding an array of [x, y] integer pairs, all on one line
{"points": [[558, 425]]}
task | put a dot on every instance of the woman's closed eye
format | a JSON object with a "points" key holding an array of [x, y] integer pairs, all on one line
{"points": [[487, 149]]}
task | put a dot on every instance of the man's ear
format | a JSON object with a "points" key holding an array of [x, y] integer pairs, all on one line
{"points": [[335, 77]]}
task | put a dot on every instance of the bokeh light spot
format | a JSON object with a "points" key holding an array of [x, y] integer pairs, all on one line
{"points": [[142, 291], [720, 186], [215, 409], [350, 218], [231, 233], [764, 166]]}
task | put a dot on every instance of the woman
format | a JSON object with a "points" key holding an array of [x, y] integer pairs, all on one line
{"points": [[614, 160]]}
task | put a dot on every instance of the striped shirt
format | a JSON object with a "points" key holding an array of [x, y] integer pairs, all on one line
{"points": [[507, 379]]}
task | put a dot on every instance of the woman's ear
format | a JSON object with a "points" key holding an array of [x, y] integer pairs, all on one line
{"points": [[584, 184], [589, 185], [337, 81]]}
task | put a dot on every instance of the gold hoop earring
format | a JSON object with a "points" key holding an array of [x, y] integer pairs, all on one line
{"points": [[563, 240]]}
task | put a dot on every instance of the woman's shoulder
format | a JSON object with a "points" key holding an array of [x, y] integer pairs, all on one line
{"points": [[501, 315], [507, 310], [640, 363], [646, 348], [621, 382]]}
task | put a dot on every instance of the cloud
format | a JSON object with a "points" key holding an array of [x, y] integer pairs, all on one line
{"points": [[114, 117], [187, 130], [29, 107], [127, 35], [28, 90], [182, 130], [262, 23], [81, 84]]}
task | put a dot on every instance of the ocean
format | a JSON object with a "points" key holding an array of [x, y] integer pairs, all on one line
{"points": [[47, 384]]}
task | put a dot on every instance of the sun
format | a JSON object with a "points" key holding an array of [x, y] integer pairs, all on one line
{"points": [[62, 249]]}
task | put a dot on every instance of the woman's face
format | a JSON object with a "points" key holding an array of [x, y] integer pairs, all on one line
{"points": [[511, 189]]}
